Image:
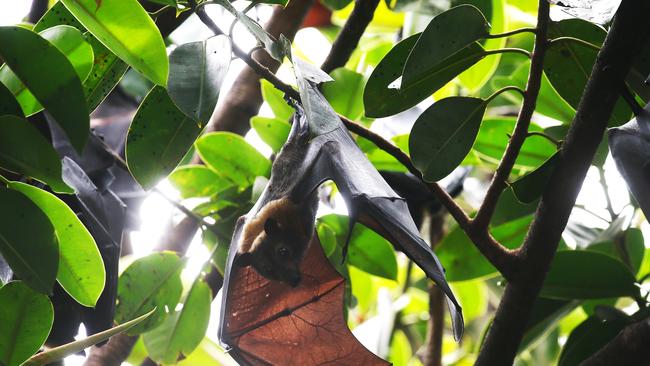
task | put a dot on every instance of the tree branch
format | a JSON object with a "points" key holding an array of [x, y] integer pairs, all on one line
{"points": [[348, 39], [629, 32], [629, 347], [500, 179]]}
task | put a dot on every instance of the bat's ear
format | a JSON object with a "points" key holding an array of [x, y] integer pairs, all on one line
{"points": [[271, 227], [244, 259]]}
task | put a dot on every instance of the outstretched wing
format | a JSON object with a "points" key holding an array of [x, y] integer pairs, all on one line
{"points": [[334, 155]]}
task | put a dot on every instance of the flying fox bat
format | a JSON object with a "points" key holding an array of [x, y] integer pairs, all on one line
{"points": [[258, 314]]}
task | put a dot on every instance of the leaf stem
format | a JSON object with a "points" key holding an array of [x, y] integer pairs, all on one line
{"points": [[556, 142], [503, 90], [508, 50], [512, 33], [4, 180], [573, 39]]}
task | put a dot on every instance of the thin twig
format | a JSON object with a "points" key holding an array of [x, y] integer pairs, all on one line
{"points": [[575, 40], [512, 32], [499, 181]]}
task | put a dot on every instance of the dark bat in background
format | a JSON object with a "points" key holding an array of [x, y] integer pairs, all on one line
{"points": [[260, 318], [630, 147]]}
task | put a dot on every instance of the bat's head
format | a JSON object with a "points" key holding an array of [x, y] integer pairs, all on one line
{"points": [[279, 253]]}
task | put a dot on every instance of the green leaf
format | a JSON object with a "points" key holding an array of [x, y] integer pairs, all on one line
{"points": [[159, 136], [382, 100], [232, 157], [327, 238], [81, 268], [28, 241], [568, 64], [272, 131], [510, 208], [197, 181], [71, 43], [50, 77], [444, 134], [275, 99], [25, 151], [345, 94], [577, 274], [183, 330], [627, 247], [26, 318], [148, 283], [549, 102], [8, 103], [125, 28], [446, 35], [368, 251], [462, 261], [546, 313], [196, 72], [587, 338], [107, 68], [493, 138], [336, 4], [478, 75], [530, 187]]}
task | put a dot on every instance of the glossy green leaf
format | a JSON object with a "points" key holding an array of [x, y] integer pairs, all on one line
{"points": [[327, 238], [196, 72], [24, 150], [577, 274], [52, 355], [530, 187], [629, 248], [381, 99], [26, 318], [51, 78], [444, 134], [546, 313], [107, 68], [549, 102], [159, 136], [148, 283], [272, 131], [28, 241], [367, 251], [587, 338], [510, 208], [568, 64], [232, 157], [197, 181], [462, 261], [345, 94], [447, 34], [8, 103], [81, 268], [478, 75], [493, 138], [183, 330], [275, 100], [72, 44], [128, 31]]}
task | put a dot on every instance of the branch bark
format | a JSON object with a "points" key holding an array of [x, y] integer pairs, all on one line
{"points": [[349, 37], [628, 33], [500, 179], [244, 99], [629, 347]]}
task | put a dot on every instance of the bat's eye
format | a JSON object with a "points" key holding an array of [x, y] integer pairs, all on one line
{"points": [[283, 252]]}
